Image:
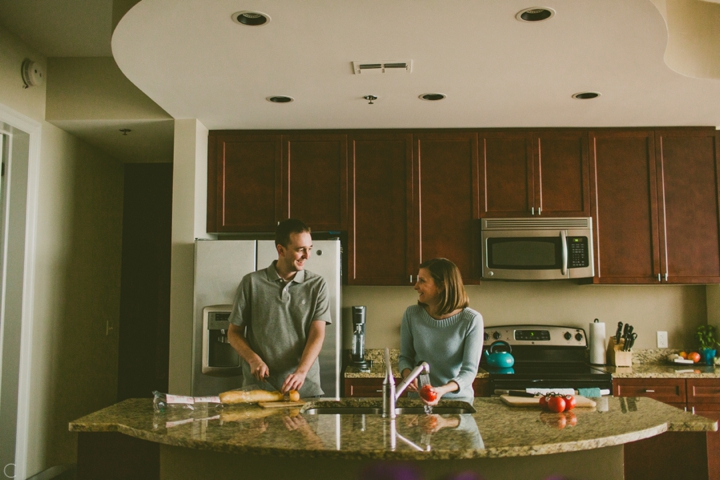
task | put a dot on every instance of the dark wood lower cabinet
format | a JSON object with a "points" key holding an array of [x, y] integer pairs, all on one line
{"points": [[693, 455], [105, 456], [372, 387]]}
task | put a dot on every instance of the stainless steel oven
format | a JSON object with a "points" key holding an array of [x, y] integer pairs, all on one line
{"points": [[546, 357]]}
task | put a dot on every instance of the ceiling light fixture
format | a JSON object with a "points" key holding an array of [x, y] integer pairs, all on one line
{"points": [[432, 96], [586, 95], [280, 99], [370, 99], [535, 14], [251, 19], [125, 131]]}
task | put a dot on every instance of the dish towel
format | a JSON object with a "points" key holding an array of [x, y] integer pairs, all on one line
{"points": [[589, 392]]}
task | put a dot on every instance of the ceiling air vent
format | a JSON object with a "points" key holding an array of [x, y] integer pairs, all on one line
{"points": [[385, 67]]}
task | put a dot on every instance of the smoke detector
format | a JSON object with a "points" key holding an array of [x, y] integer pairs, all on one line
{"points": [[32, 74], [382, 67]]}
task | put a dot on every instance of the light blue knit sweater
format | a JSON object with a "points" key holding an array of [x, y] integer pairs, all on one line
{"points": [[452, 347]]}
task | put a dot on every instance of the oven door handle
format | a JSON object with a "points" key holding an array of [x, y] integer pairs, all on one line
{"points": [[563, 241]]}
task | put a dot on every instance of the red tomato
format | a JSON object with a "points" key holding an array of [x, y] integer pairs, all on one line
{"points": [[556, 404], [543, 401], [428, 393], [569, 402], [694, 356]]}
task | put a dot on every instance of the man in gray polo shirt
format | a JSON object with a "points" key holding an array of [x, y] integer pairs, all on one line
{"points": [[278, 319]]}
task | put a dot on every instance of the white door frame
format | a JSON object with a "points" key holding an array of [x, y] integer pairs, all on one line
{"points": [[20, 217]]}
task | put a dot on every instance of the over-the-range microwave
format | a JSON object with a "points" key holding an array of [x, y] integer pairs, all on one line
{"points": [[537, 248]]}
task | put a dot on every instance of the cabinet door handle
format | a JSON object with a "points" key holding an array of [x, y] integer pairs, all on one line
{"points": [[693, 410], [659, 279], [649, 391], [539, 211], [532, 210], [411, 279], [666, 276]]}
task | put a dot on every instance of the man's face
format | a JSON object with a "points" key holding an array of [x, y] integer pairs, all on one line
{"points": [[294, 256]]}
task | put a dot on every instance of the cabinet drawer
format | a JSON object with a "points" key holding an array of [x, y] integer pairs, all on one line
{"points": [[366, 387], [703, 390], [664, 390]]}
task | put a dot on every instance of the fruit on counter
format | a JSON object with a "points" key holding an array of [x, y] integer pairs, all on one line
{"points": [[683, 354], [556, 404], [694, 356], [675, 358], [294, 396], [428, 393]]}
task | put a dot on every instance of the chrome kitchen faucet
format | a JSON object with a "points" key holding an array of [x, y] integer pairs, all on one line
{"points": [[392, 393]]}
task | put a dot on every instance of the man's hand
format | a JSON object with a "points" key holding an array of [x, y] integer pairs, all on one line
{"points": [[294, 381], [259, 369]]}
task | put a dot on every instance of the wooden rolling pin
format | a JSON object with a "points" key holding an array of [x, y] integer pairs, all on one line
{"points": [[255, 396]]}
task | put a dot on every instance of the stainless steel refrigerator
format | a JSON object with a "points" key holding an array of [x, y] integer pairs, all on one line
{"points": [[219, 267]]}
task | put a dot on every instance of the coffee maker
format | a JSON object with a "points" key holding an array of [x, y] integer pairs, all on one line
{"points": [[358, 346]]}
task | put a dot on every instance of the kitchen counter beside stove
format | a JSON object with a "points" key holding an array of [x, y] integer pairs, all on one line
{"points": [[660, 370], [488, 439]]}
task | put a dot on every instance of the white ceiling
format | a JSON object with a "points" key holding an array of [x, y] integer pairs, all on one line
{"points": [[195, 62]]}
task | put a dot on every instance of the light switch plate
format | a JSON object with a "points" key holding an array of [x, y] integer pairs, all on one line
{"points": [[662, 339]]}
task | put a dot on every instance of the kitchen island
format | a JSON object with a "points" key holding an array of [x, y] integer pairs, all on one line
{"points": [[496, 441]]}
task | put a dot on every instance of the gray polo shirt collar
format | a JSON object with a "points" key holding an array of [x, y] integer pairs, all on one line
{"points": [[273, 276]]}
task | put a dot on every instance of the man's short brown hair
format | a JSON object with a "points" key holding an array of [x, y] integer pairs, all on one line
{"points": [[287, 228]]}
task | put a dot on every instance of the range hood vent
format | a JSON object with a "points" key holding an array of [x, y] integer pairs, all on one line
{"points": [[383, 67]]}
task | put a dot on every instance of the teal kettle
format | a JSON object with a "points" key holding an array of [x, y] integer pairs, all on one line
{"points": [[497, 358]]}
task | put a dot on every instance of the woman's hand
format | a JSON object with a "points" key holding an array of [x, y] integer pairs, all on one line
{"points": [[440, 391]]}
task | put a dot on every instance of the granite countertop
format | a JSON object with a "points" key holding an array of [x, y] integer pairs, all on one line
{"points": [[649, 363], [495, 430], [377, 370]]}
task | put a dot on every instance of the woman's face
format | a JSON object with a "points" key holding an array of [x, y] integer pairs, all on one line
{"points": [[428, 291]]}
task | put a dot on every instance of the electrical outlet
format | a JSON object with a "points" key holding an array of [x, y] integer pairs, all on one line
{"points": [[662, 340]]}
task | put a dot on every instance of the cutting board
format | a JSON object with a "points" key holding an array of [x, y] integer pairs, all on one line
{"points": [[280, 404], [580, 401]]}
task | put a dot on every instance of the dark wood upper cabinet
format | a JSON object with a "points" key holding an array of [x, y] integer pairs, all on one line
{"points": [[656, 206], [689, 217], [244, 182], [314, 180], [380, 234], [446, 200], [625, 207], [542, 173], [256, 180]]}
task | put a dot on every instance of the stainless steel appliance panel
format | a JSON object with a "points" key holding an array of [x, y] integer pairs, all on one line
{"points": [[219, 267]]}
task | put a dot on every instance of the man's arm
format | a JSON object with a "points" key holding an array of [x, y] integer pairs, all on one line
{"points": [[257, 366], [312, 349]]}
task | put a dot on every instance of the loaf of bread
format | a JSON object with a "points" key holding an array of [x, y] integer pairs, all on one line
{"points": [[250, 396]]}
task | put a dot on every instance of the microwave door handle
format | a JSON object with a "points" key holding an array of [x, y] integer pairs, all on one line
{"points": [[563, 241]]}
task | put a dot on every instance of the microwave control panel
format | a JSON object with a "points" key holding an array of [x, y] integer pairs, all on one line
{"points": [[578, 254]]}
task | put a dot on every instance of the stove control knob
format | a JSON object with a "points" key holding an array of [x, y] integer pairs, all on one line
{"points": [[496, 335], [578, 336], [567, 335], [486, 336]]}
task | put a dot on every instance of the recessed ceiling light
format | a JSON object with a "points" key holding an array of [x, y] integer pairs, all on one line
{"points": [[432, 96], [252, 19], [535, 14], [586, 95], [280, 99]]}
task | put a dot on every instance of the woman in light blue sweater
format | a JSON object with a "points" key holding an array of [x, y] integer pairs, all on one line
{"points": [[442, 331]]}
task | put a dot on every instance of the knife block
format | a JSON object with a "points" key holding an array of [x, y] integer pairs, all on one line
{"points": [[616, 356]]}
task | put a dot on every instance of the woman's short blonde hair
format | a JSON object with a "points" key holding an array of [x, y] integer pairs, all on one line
{"points": [[448, 280]]}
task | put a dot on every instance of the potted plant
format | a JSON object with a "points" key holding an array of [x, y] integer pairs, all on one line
{"points": [[706, 337]]}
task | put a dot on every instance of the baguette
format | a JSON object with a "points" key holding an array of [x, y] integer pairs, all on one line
{"points": [[250, 396]]}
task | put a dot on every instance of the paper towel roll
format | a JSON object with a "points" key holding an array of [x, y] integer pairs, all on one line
{"points": [[597, 343]]}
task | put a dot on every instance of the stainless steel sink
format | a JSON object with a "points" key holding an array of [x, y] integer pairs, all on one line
{"points": [[377, 411]]}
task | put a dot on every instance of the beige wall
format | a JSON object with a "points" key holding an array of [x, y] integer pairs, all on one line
{"points": [[76, 272], [675, 309]]}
